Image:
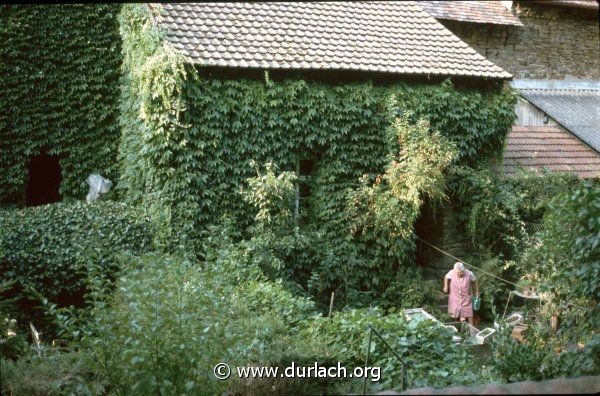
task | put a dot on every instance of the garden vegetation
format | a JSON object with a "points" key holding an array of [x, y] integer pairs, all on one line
{"points": [[205, 254]]}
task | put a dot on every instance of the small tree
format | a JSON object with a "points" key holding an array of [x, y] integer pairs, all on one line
{"points": [[566, 259]]}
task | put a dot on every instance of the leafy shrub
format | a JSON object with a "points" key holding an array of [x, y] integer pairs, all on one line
{"points": [[408, 289], [12, 340], [565, 259], [390, 206], [276, 242], [271, 298], [537, 359], [169, 322], [272, 195], [498, 210], [382, 214], [426, 347], [494, 292], [51, 373], [46, 247]]}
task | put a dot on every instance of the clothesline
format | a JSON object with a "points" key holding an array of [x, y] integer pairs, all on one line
{"points": [[467, 264], [485, 272]]}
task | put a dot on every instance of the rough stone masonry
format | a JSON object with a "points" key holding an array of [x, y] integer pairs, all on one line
{"points": [[554, 43]]}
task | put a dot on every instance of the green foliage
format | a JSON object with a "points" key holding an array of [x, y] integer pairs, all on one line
{"points": [[408, 289], [498, 210], [537, 359], [154, 153], [391, 205], [272, 298], [169, 322], [185, 150], [12, 341], [565, 259], [426, 348], [59, 91], [52, 373], [46, 247], [273, 196], [191, 137], [276, 243], [383, 214], [494, 292]]}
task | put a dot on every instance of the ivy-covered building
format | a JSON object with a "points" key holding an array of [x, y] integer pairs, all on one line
{"points": [[172, 102], [312, 87], [59, 93], [552, 50]]}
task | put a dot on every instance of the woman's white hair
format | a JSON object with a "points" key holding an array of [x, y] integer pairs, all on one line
{"points": [[459, 266]]}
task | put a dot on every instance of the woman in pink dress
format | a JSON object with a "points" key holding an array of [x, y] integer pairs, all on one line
{"points": [[459, 299]]}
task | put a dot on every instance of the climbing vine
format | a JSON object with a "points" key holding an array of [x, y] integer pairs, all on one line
{"points": [[192, 141], [189, 139], [59, 90]]}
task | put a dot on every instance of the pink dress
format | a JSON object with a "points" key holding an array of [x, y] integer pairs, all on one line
{"points": [[459, 299]]}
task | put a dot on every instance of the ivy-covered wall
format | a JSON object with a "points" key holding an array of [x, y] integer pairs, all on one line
{"points": [[190, 137], [59, 90]]}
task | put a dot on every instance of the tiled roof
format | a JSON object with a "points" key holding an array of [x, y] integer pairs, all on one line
{"points": [[578, 110], [492, 12], [552, 148], [395, 37]]}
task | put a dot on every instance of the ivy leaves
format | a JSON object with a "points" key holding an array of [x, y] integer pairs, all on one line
{"points": [[188, 138], [60, 91], [48, 246]]}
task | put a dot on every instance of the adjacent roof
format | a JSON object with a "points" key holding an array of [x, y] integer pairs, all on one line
{"points": [[492, 12], [549, 147], [578, 110], [395, 37], [587, 4]]}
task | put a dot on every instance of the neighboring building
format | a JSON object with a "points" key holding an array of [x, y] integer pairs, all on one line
{"points": [[552, 48], [557, 128], [536, 148], [537, 40]]}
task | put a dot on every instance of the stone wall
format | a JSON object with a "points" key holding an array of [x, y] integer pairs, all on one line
{"points": [[554, 43]]}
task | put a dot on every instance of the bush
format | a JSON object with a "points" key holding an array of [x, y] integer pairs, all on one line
{"points": [[12, 341], [539, 359], [51, 373], [426, 347], [497, 211], [271, 298], [46, 247], [565, 258], [169, 322]]}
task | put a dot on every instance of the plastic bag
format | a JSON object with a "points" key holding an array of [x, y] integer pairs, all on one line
{"points": [[98, 186]]}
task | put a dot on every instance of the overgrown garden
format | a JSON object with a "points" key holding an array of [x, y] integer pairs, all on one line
{"points": [[205, 252]]}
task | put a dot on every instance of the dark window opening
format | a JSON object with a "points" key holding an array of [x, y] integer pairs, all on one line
{"points": [[305, 169], [44, 180]]}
